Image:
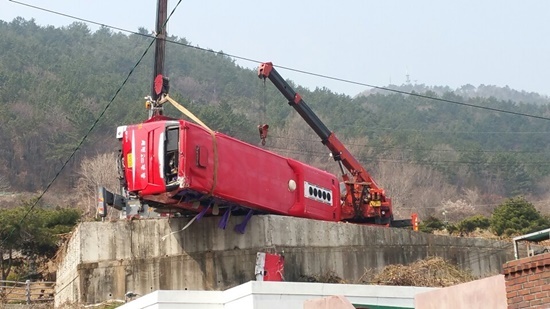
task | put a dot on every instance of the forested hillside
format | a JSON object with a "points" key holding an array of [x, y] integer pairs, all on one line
{"points": [[54, 83]]}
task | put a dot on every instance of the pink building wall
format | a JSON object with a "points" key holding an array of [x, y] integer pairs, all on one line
{"points": [[484, 293]]}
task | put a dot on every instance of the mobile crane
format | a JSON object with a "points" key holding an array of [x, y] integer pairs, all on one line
{"points": [[174, 166], [177, 166], [363, 200]]}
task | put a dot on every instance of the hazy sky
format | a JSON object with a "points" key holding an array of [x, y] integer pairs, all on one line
{"points": [[436, 42]]}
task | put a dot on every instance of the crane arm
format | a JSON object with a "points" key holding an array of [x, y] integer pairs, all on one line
{"points": [[328, 138], [363, 200]]}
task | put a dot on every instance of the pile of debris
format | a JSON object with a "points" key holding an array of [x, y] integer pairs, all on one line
{"points": [[431, 272]]}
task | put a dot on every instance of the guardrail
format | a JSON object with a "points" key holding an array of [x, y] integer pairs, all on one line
{"points": [[26, 292]]}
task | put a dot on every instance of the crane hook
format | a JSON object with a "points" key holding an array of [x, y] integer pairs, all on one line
{"points": [[263, 132]]}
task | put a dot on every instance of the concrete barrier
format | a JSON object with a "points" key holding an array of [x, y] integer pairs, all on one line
{"points": [[104, 260]]}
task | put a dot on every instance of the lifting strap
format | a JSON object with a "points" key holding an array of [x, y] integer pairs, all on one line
{"points": [[191, 116]]}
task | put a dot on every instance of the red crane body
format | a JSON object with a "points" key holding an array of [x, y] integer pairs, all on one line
{"points": [[364, 200]]}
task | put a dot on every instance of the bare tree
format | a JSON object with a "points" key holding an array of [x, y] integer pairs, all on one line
{"points": [[457, 210], [472, 196], [100, 170], [413, 188]]}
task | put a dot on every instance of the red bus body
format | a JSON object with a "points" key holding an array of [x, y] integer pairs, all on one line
{"points": [[178, 165]]}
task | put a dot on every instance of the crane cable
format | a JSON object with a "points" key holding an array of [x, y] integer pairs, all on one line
{"points": [[263, 127]]}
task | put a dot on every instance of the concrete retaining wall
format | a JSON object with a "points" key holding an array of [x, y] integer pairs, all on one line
{"points": [[104, 260], [67, 270]]}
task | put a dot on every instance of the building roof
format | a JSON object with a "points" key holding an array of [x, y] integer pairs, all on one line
{"points": [[532, 237], [280, 295]]}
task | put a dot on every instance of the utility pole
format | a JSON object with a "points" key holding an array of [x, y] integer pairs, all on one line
{"points": [[160, 51]]}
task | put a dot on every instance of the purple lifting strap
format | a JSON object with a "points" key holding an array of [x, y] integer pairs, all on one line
{"points": [[225, 218], [203, 211], [241, 227]]}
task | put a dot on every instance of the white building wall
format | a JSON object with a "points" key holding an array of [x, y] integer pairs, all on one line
{"points": [[277, 295]]}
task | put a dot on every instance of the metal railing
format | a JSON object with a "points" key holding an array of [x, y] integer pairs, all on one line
{"points": [[26, 292]]}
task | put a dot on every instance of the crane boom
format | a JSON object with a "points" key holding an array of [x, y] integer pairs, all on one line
{"points": [[365, 201]]}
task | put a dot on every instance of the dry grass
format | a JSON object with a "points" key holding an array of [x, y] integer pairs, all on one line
{"points": [[431, 272]]}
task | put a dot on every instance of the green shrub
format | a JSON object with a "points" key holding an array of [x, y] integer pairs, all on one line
{"points": [[470, 224], [430, 225], [517, 216]]}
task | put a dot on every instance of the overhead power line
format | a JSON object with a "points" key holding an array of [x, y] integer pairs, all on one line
{"points": [[381, 129], [256, 61], [289, 68], [415, 94], [383, 147], [366, 158], [92, 126]]}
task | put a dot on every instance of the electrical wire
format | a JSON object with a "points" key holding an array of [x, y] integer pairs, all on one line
{"points": [[91, 127], [321, 154], [379, 129], [414, 94], [130, 31], [316, 141], [327, 77], [292, 69]]}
